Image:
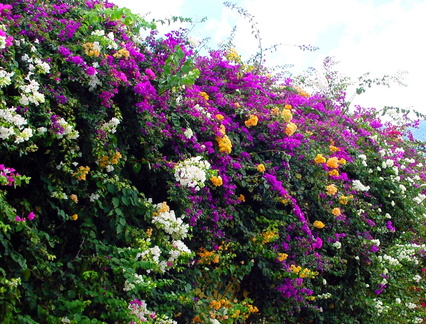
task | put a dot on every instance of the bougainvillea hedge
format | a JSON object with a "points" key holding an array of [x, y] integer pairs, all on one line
{"points": [[143, 182]]}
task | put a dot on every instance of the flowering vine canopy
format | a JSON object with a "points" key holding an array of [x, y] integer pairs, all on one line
{"points": [[144, 182]]}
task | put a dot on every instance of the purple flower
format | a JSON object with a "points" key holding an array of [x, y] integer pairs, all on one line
{"points": [[150, 74], [90, 70], [389, 226], [31, 216]]}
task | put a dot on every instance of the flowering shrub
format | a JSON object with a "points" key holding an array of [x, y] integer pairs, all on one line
{"points": [[142, 182]]}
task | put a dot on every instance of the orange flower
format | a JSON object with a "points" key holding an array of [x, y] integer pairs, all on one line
{"points": [[342, 161], [319, 224], [275, 111], [242, 198], [219, 117], [333, 162], [261, 168], [290, 129], [288, 107], [282, 257], [217, 181], [334, 148], [204, 95], [336, 211], [74, 217], [252, 121], [331, 189], [334, 173], [320, 159], [74, 198]]}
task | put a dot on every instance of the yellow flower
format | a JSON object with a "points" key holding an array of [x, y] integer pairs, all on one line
{"points": [[90, 49], [288, 107], [217, 181], [334, 148], [320, 159], [342, 161], [224, 143], [295, 269], [269, 235], [122, 53], [81, 172], [345, 199], [286, 115], [74, 217], [336, 211], [74, 198], [219, 117], [333, 162], [252, 121], [290, 129], [261, 168], [237, 105], [275, 111], [334, 173], [204, 95], [319, 224], [232, 55], [282, 257], [241, 198], [331, 189]]}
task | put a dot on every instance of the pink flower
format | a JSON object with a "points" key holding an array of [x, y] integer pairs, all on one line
{"points": [[19, 219], [150, 74], [31, 216]]}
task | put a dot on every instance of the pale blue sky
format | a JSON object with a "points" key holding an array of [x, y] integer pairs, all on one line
{"points": [[377, 36]]}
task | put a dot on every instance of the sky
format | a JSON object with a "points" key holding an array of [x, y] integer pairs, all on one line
{"points": [[382, 37]]}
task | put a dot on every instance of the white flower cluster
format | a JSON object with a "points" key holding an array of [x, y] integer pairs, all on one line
{"points": [[419, 199], [363, 158], [139, 308], [166, 220], [94, 81], [192, 172], [12, 124], [358, 186], [30, 93], [109, 37], [387, 164], [111, 126], [388, 259], [5, 77], [407, 252], [378, 304], [202, 111], [69, 132]]}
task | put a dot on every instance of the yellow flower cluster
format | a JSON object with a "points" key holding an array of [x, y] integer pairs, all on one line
{"points": [[207, 257], [282, 256], [331, 190], [345, 199], [303, 273], [204, 95], [232, 55], [336, 211], [252, 121], [122, 53], [334, 173], [81, 172], [164, 208], [74, 198], [320, 159], [219, 117], [269, 235], [106, 160], [302, 92], [319, 224], [91, 50], [290, 129], [224, 143], [287, 115], [217, 181], [334, 148], [261, 168]]}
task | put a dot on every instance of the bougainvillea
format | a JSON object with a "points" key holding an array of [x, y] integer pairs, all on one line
{"points": [[142, 182]]}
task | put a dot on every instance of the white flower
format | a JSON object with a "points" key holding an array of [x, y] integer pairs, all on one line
{"points": [[398, 300], [362, 157], [188, 133], [337, 245], [357, 185], [192, 172], [417, 278]]}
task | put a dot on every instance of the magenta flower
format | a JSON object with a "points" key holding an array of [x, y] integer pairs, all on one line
{"points": [[31, 216]]}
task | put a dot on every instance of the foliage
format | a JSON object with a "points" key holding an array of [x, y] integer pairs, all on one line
{"points": [[141, 182]]}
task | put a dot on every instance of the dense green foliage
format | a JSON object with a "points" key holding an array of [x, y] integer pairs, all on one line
{"points": [[142, 182]]}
